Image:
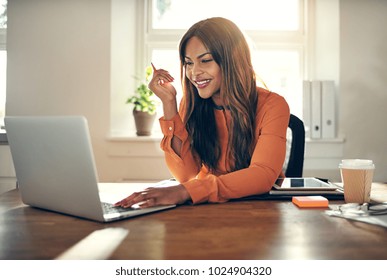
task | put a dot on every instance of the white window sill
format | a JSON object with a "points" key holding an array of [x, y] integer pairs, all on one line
{"points": [[132, 137], [328, 140], [157, 136], [322, 156], [3, 137], [314, 148]]}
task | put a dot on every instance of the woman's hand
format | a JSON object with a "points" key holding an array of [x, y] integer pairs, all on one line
{"points": [[156, 197], [161, 85]]}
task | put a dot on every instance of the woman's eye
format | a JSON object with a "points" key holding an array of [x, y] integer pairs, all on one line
{"points": [[188, 63], [207, 60]]}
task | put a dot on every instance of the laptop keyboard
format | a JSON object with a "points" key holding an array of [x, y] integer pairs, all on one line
{"points": [[110, 208]]}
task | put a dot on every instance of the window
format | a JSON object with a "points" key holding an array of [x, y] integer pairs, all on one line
{"points": [[277, 38], [257, 15], [287, 47], [3, 58]]}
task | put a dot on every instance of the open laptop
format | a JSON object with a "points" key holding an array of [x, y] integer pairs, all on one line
{"points": [[55, 168]]}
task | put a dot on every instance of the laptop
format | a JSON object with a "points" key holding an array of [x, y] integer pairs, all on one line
{"points": [[55, 169]]}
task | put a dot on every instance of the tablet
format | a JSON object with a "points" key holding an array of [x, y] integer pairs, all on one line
{"points": [[303, 184]]}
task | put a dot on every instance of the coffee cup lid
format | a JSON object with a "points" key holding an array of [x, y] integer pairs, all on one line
{"points": [[357, 163]]}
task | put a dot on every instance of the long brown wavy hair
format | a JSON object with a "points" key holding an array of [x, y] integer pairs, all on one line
{"points": [[238, 91]]}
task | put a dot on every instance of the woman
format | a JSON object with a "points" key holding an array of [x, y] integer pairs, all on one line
{"points": [[228, 139]]}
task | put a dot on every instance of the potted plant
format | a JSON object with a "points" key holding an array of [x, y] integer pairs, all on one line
{"points": [[145, 105]]}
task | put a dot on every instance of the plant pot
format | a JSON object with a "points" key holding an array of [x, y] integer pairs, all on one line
{"points": [[144, 122]]}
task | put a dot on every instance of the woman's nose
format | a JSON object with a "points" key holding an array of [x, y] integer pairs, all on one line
{"points": [[196, 69]]}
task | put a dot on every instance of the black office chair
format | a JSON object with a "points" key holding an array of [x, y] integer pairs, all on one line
{"points": [[295, 163]]}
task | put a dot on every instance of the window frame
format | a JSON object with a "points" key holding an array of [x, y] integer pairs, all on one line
{"points": [[149, 36], [317, 61], [3, 38], [3, 47], [294, 40]]}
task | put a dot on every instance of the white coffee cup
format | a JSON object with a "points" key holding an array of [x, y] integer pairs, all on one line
{"points": [[357, 175]]}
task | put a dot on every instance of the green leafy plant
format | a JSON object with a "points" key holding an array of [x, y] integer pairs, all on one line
{"points": [[144, 99]]}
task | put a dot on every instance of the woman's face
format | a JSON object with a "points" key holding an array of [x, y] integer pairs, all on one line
{"points": [[202, 70]]}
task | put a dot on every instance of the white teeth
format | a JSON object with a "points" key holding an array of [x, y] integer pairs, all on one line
{"points": [[202, 82]]}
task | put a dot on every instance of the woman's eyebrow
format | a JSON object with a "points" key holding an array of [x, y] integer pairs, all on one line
{"points": [[199, 56]]}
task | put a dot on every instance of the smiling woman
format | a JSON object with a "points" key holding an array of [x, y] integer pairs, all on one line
{"points": [[198, 61], [227, 137]]}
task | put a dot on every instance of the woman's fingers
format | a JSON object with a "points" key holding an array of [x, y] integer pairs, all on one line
{"points": [[162, 75], [161, 85], [155, 197], [146, 198], [134, 198], [148, 203]]}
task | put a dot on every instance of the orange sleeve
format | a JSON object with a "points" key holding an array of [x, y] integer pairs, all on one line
{"points": [[266, 163], [183, 167]]}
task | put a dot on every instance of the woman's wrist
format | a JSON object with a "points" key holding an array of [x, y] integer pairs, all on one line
{"points": [[184, 194], [169, 109]]}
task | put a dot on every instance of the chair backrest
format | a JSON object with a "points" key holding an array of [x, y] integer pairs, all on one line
{"points": [[295, 163]]}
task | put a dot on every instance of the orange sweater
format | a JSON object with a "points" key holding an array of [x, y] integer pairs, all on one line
{"points": [[266, 163]]}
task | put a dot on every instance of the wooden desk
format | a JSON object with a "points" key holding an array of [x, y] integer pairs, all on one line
{"points": [[268, 230]]}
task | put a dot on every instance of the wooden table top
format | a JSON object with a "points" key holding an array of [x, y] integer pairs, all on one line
{"points": [[269, 230]]}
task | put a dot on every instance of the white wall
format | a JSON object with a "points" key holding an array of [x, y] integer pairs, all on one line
{"points": [[363, 80], [64, 58], [59, 61]]}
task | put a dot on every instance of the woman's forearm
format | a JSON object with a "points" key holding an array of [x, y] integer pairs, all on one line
{"points": [[170, 110]]}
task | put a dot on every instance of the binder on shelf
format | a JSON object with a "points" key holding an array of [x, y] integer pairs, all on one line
{"points": [[316, 110], [328, 120], [307, 107]]}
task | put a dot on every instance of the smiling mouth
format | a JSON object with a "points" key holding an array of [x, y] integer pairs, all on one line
{"points": [[202, 83]]}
